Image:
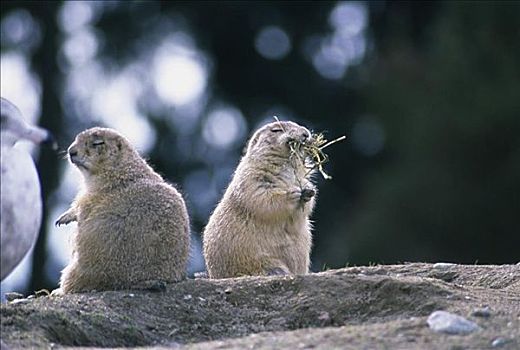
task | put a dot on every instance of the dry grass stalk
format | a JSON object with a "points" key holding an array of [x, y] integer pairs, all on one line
{"points": [[314, 150]]}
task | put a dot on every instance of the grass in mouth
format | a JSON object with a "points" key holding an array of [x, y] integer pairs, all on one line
{"points": [[314, 150]]}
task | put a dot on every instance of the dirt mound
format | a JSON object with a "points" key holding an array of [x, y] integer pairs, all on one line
{"points": [[369, 306]]}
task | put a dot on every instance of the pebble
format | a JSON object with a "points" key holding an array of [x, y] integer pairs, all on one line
{"points": [[483, 312], [446, 322], [442, 265], [499, 342]]}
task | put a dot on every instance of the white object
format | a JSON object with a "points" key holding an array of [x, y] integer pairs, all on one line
{"points": [[446, 322], [21, 202], [443, 265]]}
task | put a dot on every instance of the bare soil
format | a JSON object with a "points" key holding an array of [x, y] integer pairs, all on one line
{"points": [[377, 307]]}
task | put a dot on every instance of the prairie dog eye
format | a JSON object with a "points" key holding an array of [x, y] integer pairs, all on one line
{"points": [[277, 129], [98, 143]]}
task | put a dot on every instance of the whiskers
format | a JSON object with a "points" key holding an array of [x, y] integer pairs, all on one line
{"points": [[63, 154]]}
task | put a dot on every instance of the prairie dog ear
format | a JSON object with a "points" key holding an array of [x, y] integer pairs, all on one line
{"points": [[252, 141], [244, 149]]}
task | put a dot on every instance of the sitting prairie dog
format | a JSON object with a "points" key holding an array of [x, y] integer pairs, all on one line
{"points": [[133, 227], [261, 226]]}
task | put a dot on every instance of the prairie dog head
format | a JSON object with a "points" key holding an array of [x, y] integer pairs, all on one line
{"points": [[99, 150], [276, 137]]}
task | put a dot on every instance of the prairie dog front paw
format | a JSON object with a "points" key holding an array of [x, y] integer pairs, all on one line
{"points": [[57, 293], [66, 218]]}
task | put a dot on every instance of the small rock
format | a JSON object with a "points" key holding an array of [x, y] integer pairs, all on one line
{"points": [[13, 296], [156, 286], [484, 312], [442, 265], [446, 322], [445, 275], [228, 290], [187, 297], [499, 342]]}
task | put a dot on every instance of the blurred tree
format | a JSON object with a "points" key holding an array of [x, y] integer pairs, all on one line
{"points": [[45, 64], [449, 188]]}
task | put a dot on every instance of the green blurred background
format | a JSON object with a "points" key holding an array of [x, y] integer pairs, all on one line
{"points": [[428, 94]]}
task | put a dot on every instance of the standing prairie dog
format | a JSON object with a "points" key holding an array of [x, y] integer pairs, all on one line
{"points": [[133, 227], [261, 226]]}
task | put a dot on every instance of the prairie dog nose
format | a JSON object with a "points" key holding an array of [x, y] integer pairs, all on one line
{"points": [[305, 135], [73, 151]]}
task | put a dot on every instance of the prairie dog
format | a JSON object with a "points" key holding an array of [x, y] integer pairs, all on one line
{"points": [[133, 227], [261, 226]]}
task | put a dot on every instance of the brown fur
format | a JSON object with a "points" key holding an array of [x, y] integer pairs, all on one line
{"points": [[133, 227], [261, 226]]}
